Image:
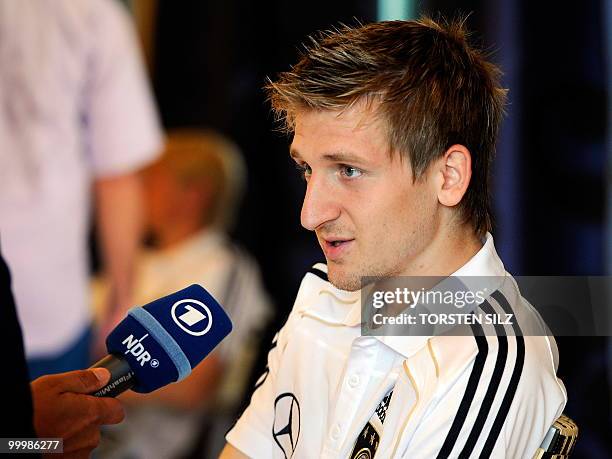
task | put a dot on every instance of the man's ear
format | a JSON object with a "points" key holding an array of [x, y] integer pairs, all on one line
{"points": [[456, 169]]}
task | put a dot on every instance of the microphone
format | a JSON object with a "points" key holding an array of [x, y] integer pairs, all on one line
{"points": [[162, 341]]}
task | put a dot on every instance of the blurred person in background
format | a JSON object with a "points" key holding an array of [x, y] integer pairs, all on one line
{"points": [[77, 122], [192, 195]]}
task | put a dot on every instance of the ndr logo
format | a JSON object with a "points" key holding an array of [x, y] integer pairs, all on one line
{"points": [[135, 347], [192, 317]]}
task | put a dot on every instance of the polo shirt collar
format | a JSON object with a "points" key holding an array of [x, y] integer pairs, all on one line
{"points": [[330, 304], [343, 308]]}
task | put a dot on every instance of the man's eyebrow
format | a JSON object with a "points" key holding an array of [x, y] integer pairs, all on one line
{"points": [[343, 157], [338, 157]]}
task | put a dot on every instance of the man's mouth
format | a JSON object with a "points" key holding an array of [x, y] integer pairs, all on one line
{"points": [[334, 248], [336, 241]]}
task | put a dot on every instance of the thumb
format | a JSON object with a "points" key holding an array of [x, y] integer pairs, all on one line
{"points": [[83, 381]]}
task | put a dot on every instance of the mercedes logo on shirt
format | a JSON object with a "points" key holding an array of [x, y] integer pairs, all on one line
{"points": [[286, 429]]}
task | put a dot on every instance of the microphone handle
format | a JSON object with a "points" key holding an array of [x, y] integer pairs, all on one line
{"points": [[122, 376]]}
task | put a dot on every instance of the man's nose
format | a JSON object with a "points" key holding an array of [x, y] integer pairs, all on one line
{"points": [[319, 205]]}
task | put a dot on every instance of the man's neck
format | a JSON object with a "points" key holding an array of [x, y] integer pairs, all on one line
{"points": [[447, 252]]}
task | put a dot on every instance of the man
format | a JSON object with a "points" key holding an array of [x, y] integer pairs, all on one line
{"points": [[77, 122], [394, 126]]}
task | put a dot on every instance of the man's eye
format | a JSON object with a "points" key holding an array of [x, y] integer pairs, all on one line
{"points": [[304, 170], [350, 171]]}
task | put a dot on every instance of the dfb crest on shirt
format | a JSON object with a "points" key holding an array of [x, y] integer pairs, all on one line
{"points": [[286, 429]]}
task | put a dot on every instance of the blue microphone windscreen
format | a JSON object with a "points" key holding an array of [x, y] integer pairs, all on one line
{"points": [[152, 366], [183, 327]]}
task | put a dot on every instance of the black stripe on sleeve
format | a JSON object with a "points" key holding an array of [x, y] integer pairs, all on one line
{"points": [[266, 371], [502, 414], [487, 402], [468, 396], [262, 378], [503, 302]]}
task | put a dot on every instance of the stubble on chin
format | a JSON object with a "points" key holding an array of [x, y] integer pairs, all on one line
{"points": [[344, 279], [348, 284]]}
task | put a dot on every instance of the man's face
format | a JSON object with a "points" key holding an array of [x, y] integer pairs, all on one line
{"points": [[368, 215]]}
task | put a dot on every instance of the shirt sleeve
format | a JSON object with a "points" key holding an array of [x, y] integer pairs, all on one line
{"points": [[252, 433], [500, 405], [122, 130], [16, 388]]}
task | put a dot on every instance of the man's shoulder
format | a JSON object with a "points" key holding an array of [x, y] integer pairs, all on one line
{"points": [[522, 318], [512, 339]]}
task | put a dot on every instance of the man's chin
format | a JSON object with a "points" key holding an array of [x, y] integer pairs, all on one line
{"points": [[342, 280]]}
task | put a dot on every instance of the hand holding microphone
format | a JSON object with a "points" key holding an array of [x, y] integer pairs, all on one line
{"points": [[153, 346], [161, 342], [62, 409]]}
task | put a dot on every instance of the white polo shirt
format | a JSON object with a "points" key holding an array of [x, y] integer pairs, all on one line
{"points": [[453, 396]]}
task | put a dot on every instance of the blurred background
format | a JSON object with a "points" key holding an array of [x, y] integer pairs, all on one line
{"points": [[208, 60]]}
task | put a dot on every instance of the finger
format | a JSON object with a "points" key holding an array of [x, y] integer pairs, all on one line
{"points": [[83, 381], [47, 381], [109, 410]]}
